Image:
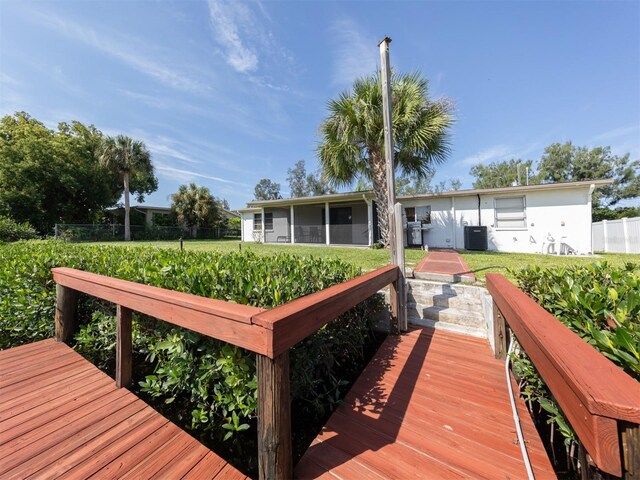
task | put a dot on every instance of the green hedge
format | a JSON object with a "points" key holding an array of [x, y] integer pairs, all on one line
{"points": [[211, 383], [600, 303], [11, 231]]}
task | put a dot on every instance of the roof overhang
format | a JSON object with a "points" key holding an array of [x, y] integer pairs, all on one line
{"points": [[512, 190], [332, 198], [257, 205]]}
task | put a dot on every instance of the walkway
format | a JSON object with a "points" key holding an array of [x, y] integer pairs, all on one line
{"points": [[444, 265], [61, 417], [430, 404]]}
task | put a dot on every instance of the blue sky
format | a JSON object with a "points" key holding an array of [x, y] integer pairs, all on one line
{"points": [[225, 93]]}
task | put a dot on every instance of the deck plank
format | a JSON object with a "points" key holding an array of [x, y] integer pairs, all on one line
{"points": [[429, 404], [61, 417]]}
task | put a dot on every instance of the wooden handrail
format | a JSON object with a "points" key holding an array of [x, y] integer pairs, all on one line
{"points": [[596, 396], [226, 321], [268, 333], [292, 322]]}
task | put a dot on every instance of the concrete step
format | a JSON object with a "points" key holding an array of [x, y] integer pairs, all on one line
{"points": [[460, 302], [474, 319], [475, 331], [437, 288], [451, 327]]}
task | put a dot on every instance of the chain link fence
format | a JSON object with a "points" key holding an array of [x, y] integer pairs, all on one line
{"points": [[110, 233]]}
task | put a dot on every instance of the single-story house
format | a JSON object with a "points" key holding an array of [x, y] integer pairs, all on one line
{"points": [[150, 212], [548, 218]]}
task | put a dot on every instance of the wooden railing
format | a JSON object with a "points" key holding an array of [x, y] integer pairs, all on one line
{"points": [[600, 400], [268, 333]]}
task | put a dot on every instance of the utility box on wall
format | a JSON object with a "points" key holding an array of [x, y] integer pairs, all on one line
{"points": [[475, 238]]}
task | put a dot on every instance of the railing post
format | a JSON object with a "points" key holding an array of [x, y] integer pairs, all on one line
{"points": [[123, 346], [499, 333], [402, 284], [394, 303], [630, 434], [275, 457], [66, 313]]}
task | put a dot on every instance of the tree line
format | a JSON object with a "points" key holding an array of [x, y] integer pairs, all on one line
{"points": [[75, 173], [565, 162]]}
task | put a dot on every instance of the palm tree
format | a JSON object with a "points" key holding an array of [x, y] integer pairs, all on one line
{"points": [[352, 136], [126, 158], [194, 207]]}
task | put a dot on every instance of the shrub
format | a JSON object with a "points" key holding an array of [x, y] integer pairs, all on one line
{"points": [[598, 302], [210, 382], [11, 231]]}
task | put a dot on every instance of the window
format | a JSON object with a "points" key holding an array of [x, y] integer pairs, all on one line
{"points": [[410, 213], [268, 221], [510, 213], [425, 217]]}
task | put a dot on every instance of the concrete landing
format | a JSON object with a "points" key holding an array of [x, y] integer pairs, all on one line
{"points": [[443, 265]]}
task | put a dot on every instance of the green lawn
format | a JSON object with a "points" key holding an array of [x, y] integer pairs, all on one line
{"points": [[368, 259]]}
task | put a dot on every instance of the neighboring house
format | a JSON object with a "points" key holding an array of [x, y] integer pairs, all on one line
{"points": [[150, 212], [534, 218]]}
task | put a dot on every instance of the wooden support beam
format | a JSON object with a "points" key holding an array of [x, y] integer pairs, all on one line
{"points": [[275, 456], [499, 333], [394, 303], [402, 284], [630, 440], [124, 355], [66, 320]]}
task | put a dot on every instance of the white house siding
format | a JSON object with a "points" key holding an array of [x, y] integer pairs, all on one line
{"points": [[563, 214], [440, 234]]}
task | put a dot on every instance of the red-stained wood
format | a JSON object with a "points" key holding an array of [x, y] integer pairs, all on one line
{"points": [[275, 455], [124, 346], [592, 391], [296, 320], [89, 427], [226, 321], [206, 468], [411, 414], [66, 320]]}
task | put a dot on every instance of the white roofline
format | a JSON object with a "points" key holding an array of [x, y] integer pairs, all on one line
{"points": [[256, 205], [518, 189], [333, 197]]}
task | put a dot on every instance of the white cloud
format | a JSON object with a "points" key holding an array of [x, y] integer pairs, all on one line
{"points": [[187, 175], [618, 132], [355, 52], [126, 50], [232, 23], [497, 152], [8, 80]]}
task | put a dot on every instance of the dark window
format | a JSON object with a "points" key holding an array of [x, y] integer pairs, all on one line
{"points": [[257, 221], [268, 221], [410, 213]]}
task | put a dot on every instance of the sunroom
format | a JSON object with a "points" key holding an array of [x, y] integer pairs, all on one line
{"points": [[339, 219]]}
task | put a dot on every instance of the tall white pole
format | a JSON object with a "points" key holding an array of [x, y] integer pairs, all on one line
{"points": [[385, 75], [399, 303]]}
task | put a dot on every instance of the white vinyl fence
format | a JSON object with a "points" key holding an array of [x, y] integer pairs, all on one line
{"points": [[616, 236]]}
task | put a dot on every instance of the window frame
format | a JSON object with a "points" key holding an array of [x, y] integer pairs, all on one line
{"points": [[257, 221], [406, 214], [496, 211], [268, 218]]}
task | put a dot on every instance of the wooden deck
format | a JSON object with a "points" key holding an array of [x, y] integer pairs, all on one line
{"points": [[61, 417], [430, 404]]}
